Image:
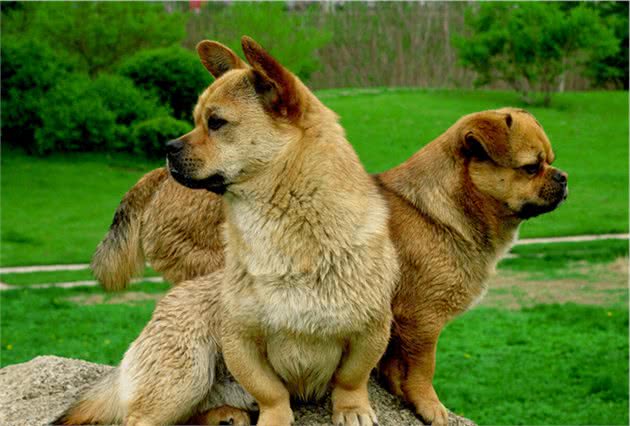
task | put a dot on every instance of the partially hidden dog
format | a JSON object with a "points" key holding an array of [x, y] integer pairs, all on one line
{"points": [[456, 206], [303, 303]]}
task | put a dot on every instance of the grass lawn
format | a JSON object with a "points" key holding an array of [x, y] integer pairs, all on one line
{"points": [[56, 209], [522, 357]]}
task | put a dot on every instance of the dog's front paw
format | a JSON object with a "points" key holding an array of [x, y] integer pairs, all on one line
{"points": [[357, 416], [352, 408], [431, 411]]}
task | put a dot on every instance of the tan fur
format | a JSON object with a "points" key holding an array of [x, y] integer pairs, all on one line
{"points": [[454, 213], [119, 256], [450, 225], [305, 299], [172, 371], [309, 262]]}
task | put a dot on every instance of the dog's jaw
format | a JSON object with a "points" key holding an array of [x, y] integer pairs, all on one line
{"points": [[214, 183], [529, 210]]}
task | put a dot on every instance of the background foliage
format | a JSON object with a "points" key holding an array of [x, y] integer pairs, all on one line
{"points": [[530, 46], [120, 79], [80, 76]]}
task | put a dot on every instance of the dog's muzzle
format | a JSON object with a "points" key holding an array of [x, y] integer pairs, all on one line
{"points": [[529, 210], [214, 183], [178, 168]]}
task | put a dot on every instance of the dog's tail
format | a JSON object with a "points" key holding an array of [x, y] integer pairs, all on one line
{"points": [[98, 405], [119, 256]]}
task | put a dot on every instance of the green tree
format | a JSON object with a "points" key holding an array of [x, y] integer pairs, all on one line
{"points": [[97, 34], [612, 70], [530, 45]]}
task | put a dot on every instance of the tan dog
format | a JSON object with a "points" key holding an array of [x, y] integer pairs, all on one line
{"points": [[305, 300], [456, 207]]}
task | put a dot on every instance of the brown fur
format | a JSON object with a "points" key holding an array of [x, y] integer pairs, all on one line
{"points": [[454, 213], [150, 216], [304, 300]]}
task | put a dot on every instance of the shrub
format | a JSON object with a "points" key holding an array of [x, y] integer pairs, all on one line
{"points": [[151, 135], [97, 34], [175, 74], [531, 45], [80, 114], [129, 105], [30, 69]]}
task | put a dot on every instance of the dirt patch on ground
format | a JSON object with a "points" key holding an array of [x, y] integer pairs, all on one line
{"points": [[129, 297], [605, 284]]}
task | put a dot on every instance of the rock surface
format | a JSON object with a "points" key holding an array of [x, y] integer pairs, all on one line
{"points": [[37, 392]]}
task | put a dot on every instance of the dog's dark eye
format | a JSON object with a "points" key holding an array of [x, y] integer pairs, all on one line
{"points": [[215, 123], [531, 169]]}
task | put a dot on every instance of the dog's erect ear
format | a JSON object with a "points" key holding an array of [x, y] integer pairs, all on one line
{"points": [[488, 135], [217, 58], [276, 86]]}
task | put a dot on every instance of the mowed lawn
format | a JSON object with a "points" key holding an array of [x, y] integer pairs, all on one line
{"points": [[56, 209], [524, 356], [548, 345]]}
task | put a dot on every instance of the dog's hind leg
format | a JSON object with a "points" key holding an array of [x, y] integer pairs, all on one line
{"points": [[168, 385]]}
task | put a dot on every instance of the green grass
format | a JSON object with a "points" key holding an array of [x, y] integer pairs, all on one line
{"points": [[56, 209], [552, 364], [563, 260], [38, 322]]}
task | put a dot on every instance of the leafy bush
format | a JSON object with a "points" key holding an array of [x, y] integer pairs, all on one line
{"points": [[175, 74], [129, 105], [150, 136], [530, 45], [29, 70], [80, 114], [97, 34]]}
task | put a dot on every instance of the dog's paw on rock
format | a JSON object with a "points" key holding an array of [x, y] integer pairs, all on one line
{"points": [[39, 391]]}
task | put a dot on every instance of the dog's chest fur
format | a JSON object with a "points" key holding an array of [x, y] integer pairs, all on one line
{"points": [[298, 271]]}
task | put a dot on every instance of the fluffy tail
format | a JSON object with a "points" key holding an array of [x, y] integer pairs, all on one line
{"points": [[119, 255], [99, 405]]}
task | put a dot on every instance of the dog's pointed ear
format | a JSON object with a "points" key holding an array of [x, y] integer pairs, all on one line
{"points": [[217, 58], [277, 86], [487, 135]]}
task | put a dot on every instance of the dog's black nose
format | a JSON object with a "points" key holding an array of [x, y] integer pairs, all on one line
{"points": [[560, 177], [174, 146]]}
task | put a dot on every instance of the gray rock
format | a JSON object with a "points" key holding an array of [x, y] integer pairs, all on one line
{"points": [[39, 391]]}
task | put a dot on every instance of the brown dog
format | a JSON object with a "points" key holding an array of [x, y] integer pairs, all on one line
{"points": [[455, 206], [305, 295]]}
